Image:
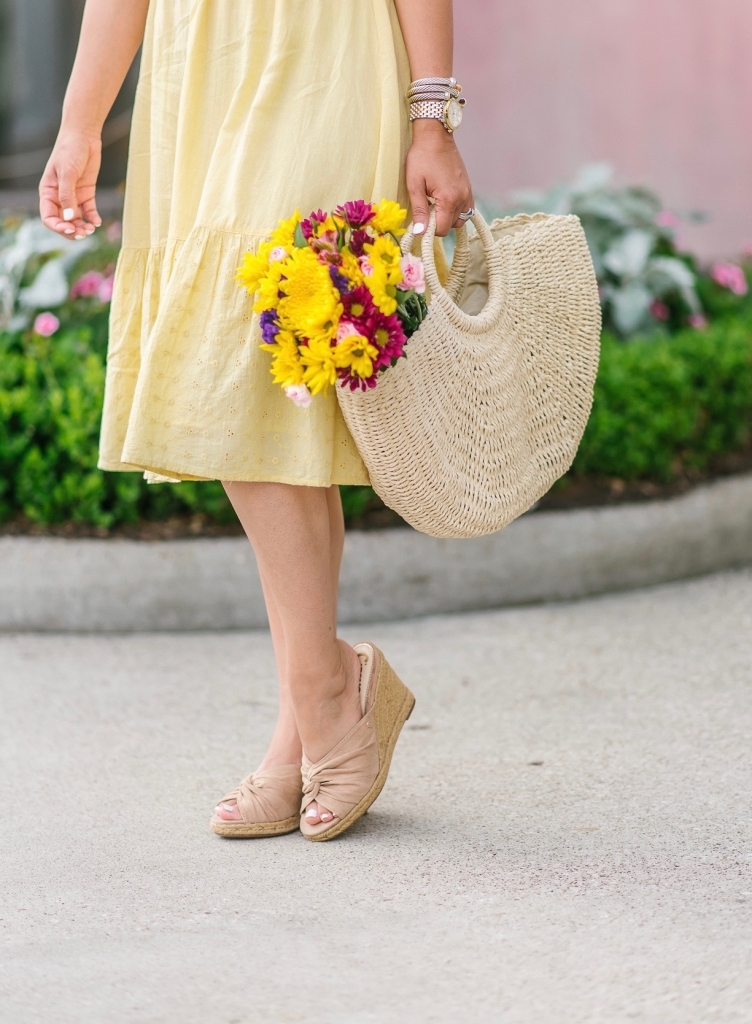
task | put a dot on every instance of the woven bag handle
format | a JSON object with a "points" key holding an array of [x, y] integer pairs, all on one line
{"points": [[460, 259], [489, 315]]}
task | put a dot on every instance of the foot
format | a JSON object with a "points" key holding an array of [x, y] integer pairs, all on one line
{"points": [[285, 748], [329, 720]]}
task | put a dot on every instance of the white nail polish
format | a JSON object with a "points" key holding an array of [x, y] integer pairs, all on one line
{"points": [[69, 231], [80, 238], [68, 213], [419, 228]]}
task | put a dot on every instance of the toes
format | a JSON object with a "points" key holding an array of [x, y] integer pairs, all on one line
{"points": [[325, 815], [228, 812], [312, 814]]}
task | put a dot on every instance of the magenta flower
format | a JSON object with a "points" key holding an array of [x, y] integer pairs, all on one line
{"points": [[358, 239], [308, 226], [357, 213], [729, 275], [46, 324], [106, 288], [660, 310], [359, 308], [87, 285], [698, 321], [388, 336]]}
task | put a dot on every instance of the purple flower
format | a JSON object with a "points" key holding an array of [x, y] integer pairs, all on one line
{"points": [[660, 310], [106, 288], [339, 281], [357, 213], [729, 275], [269, 326], [46, 324], [87, 285]]}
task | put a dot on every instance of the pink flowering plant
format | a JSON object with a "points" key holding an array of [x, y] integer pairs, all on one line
{"points": [[336, 298]]}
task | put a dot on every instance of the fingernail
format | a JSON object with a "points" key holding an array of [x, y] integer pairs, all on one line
{"points": [[69, 214], [80, 238], [90, 229], [419, 229], [69, 231]]}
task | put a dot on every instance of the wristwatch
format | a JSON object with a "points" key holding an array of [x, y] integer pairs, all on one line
{"points": [[449, 111]]}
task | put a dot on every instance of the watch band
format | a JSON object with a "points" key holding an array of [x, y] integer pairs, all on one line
{"points": [[428, 108]]}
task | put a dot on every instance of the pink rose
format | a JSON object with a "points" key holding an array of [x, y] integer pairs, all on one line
{"points": [[729, 275], [660, 310], [299, 394], [46, 324], [698, 321], [104, 293], [345, 329], [413, 274], [87, 285]]}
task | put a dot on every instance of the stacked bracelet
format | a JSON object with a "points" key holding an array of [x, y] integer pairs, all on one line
{"points": [[437, 98]]}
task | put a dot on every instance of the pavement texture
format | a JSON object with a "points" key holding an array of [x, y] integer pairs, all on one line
{"points": [[564, 838]]}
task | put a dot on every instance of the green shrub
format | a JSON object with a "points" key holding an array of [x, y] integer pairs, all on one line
{"points": [[50, 408], [662, 407], [665, 406]]}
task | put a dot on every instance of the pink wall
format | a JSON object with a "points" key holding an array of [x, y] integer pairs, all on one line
{"points": [[660, 88]]}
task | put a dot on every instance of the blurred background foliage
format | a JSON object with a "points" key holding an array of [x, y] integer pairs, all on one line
{"points": [[674, 389]]}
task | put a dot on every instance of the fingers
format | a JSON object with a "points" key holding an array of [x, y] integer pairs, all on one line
{"points": [[64, 206], [89, 207], [419, 207]]}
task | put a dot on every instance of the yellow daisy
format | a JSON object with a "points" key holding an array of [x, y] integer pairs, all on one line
{"points": [[284, 234], [254, 266], [389, 217], [310, 304], [385, 252], [286, 367], [356, 354], [320, 368], [382, 292]]}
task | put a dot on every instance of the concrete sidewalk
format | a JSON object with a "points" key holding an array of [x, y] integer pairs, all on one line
{"points": [[564, 839]]}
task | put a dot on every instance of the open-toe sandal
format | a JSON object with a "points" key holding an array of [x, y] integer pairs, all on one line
{"points": [[350, 777], [269, 804]]}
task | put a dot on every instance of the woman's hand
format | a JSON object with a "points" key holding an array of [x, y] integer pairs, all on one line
{"points": [[67, 191], [436, 169]]}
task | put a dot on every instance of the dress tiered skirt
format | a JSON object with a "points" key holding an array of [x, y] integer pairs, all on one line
{"points": [[246, 110]]}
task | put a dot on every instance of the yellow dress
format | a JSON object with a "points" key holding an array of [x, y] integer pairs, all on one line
{"points": [[245, 111]]}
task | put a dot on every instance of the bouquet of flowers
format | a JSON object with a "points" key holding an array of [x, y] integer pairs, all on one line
{"points": [[336, 298]]}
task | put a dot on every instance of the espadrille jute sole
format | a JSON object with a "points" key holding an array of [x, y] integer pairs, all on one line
{"points": [[393, 706], [241, 830]]}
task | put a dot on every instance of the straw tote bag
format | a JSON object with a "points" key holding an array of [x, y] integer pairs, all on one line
{"points": [[485, 412]]}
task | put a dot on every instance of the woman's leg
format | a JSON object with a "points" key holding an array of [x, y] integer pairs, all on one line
{"points": [[298, 534]]}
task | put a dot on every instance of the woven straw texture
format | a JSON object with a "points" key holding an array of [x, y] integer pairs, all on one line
{"points": [[487, 411]]}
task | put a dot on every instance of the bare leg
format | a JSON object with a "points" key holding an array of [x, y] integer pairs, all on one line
{"points": [[298, 534]]}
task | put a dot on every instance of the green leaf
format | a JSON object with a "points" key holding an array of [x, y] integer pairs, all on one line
{"points": [[299, 238]]}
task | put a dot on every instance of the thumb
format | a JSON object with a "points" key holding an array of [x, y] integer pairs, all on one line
{"points": [[419, 207]]}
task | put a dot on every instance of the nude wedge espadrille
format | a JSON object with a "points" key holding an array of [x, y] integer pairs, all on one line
{"points": [[349, 778], [269, 802]]}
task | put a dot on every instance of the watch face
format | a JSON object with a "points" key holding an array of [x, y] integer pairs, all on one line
{"points": [[453, 114]]}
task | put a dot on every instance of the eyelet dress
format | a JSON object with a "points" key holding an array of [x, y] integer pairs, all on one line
{"points": [[245, 111]]}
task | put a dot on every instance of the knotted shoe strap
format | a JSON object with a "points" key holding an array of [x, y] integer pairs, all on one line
{"points": [[341, 779], [350, 777], [268, 801]]}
